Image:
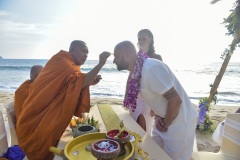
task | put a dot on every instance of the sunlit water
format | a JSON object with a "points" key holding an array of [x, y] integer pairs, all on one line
{"points": [[195, 78]]}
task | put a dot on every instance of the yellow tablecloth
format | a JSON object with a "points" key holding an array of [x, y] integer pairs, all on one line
{"points": [[148, 145]]}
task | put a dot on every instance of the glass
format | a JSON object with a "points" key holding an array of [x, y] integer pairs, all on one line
{"points": [[141, 154]]}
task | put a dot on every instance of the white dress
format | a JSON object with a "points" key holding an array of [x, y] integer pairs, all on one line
{"points": [[143, 109]]}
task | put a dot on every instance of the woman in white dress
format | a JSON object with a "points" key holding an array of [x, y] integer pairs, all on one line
{"points": [[143, 114]]}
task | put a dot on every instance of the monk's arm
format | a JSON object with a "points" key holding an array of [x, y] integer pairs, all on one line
{"points": [[93, 73]]}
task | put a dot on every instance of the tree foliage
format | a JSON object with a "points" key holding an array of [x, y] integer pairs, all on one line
{"points": [[232, 23]]}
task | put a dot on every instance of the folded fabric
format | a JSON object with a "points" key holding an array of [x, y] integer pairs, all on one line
{"points": [[14, 153], [218, 133]]}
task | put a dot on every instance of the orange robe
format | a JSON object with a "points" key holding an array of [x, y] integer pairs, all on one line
{"points": [[54, 97], [21, 95]]}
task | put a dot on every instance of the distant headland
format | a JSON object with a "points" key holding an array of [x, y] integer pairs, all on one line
{"points": [[1, 57]]}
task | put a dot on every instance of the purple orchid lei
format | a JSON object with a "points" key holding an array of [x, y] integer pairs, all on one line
{"points": [[134, 83], [203, 110]]}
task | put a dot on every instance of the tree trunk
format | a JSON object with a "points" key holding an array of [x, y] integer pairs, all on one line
{"points": [[219, 77]]}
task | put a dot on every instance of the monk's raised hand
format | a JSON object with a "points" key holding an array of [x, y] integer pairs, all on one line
{"points": [[103, 57]]}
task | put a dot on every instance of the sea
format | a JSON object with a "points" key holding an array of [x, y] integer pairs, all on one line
{"points": [[195, 79]]}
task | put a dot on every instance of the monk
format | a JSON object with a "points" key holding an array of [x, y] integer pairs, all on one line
{"points": [[21, 93], [60, 91]]}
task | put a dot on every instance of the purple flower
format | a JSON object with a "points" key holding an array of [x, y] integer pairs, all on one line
{"points": [[134, 83], [203, 110]]}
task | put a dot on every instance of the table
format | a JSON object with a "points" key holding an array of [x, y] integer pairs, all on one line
{"points": [[148, 145]]}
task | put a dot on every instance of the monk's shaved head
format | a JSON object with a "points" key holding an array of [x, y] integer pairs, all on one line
{"points": [[35, 70], [79, 51], [76, 45]]}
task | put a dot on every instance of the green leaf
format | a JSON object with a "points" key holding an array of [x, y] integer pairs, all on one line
{"points": [[88, 120], [92, 121], [234, 22]]}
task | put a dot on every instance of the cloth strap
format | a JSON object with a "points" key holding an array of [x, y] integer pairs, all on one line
{"points": [[109, 117]]}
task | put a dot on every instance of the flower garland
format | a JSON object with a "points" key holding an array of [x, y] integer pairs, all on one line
{"points": [[205, 124], [134, 83], [203, 107]]}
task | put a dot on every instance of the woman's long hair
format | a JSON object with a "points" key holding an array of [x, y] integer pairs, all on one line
{"points": [[151, 49]]}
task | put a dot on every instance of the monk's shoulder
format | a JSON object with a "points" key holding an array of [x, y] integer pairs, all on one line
{"points": [[24, 86]]}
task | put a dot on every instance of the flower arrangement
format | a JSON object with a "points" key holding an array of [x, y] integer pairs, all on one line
{"points": [[85, 120], [205, 124], [134, 82]]}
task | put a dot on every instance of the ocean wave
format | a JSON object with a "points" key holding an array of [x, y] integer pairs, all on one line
{"points": [[229, 93], [211, 69], [113, 83], [8, 87], [21, 68], [120, 96], [234, 101], [102, 70], [15, 68], [220, 100]]}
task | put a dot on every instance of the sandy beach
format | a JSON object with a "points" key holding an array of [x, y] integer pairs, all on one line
{"points": [[204, 141]]}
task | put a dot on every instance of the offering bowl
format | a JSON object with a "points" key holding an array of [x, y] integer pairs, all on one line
{"points": [[105, 149], [122, 139], [84, 129]]}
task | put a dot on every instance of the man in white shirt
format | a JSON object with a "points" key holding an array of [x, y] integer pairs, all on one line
{"points": [[175, 120]]}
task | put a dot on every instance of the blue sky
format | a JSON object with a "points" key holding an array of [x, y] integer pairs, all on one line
{"points": [[184, 31]]}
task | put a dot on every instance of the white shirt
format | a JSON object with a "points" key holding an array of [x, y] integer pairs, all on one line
{"points": [[156, 80]]}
